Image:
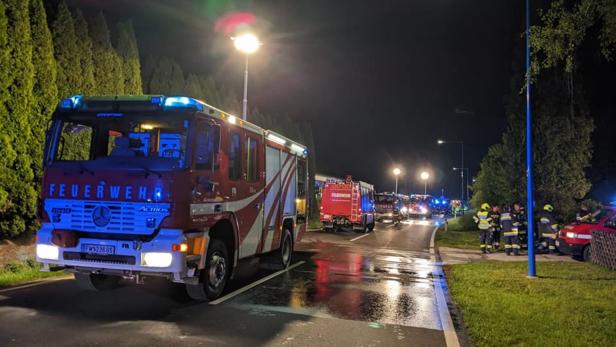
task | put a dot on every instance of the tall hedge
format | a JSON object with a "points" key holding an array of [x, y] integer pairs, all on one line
{"points": [[45, 91], [18, 212], [66, 52], [107, 63], [84, 46], [129, 55]]}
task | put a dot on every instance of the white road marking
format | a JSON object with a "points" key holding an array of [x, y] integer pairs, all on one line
{"points": [[358, 237], [451, 338], [37, 283], [254, 284]]}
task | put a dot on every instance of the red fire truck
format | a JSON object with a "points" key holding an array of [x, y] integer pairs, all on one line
{"points": [[347, 204], [136, 187], [390, 207]]}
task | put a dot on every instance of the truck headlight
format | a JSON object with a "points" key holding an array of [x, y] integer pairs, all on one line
{"points": [[423, 210], [404, 210], [157, 259], [572, 235], [390, 214], [47, 252]]}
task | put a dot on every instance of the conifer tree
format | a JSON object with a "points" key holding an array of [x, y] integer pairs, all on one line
{"points": [[45, 90], [129, 54], [167, 78], [66, 53], [193, 87], [147, 69], [18, 214], [107, 68], [7, 152], [84, 46]]}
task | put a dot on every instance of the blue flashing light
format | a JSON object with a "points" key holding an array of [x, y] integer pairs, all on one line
{"points": [[71, 103], [156, 100], [182, 102]]}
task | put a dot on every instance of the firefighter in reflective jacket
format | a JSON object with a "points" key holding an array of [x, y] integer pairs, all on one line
{"points": [[519, 221], [482, 218], [548, 229], [496, 227], [510, 231]]}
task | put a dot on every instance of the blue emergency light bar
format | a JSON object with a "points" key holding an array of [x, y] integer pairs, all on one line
{"points": [[167, 103]]}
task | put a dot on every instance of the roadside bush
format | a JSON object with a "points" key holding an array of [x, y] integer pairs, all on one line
{"points": [[462, 223]]}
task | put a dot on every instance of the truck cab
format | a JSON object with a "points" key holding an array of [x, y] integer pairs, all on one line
{"points": [[135, 187], [389, 208]]}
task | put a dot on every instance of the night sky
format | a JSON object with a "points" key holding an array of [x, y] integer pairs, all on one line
{"points": [[380, 81]]}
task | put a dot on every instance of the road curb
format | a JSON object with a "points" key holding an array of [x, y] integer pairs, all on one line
{"points": [[440, 287]]}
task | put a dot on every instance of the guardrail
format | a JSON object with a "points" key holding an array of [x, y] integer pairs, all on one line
{"points": [[603, 249]]}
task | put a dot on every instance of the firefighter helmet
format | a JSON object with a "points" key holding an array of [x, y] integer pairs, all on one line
{"points": [[548, 207], [485, 206]]}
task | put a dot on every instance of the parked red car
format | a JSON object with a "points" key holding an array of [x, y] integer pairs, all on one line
{"points": [[574, 239]]}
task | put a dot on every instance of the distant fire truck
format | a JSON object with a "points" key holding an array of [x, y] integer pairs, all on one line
{"points": [[347, 204], [136, 187], [390, 207]]}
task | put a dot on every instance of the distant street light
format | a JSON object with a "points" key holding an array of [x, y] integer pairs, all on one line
{"points": [[396, 171], [424, 177], [461, 143], [248, 44], [468, 194]]}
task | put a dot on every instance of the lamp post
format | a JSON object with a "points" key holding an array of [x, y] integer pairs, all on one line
{"points": [[424, 177], [532, 272], [396, 171], [248, 44], [468, 194], [461, 143]]}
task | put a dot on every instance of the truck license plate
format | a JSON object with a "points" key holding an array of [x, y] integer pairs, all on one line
{"points": [[98, 249]]}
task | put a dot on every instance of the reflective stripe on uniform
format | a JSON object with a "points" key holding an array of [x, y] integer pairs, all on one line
{"points": [[516, 246], [510, 233]]}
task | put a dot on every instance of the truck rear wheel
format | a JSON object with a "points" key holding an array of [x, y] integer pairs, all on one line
{"points": [[97, 282], [213, 277], [285, 252], [370, 227]]}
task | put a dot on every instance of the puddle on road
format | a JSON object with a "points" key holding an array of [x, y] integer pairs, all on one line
{"points": [[380, 286]]}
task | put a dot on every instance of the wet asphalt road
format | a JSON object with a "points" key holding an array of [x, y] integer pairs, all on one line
{"points": [[375, 290]]}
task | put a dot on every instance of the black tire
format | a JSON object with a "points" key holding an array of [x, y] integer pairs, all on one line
{"points": [[97, 282], [371, 227], [586, 253], [284, 254], [214, 276]]}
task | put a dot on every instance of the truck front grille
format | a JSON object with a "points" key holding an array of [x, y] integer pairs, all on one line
{"points": [[100, 258]]}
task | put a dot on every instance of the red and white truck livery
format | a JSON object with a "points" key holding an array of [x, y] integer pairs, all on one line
{"points": [[347, 204], [135, 187]]}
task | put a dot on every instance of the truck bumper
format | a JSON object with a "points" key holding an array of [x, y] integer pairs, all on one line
{"points": [[129, 258], [569, 248]]}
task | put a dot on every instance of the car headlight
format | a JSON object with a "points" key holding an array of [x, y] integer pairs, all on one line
{"points": [[157, 259], [423, 210], [47, 252], [390, 214], [572, 235], [404, 210]]}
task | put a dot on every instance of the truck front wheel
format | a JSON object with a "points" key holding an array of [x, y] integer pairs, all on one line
{"points": [[213, 277], [97, 282]]}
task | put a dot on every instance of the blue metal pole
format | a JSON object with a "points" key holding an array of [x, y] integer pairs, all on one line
{"points": [[530, 203]]}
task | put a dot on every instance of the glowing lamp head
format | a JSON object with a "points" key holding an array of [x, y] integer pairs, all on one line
{"points": [[396, 171], [424, 175], [247, 43], [440, 142]]}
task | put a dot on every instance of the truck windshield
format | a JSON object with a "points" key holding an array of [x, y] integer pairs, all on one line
{"points": [[384, 198], [150, 142]]}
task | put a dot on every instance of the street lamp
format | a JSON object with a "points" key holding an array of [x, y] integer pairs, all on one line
{"points": [[461, 143], [532, 272], [424, 177], [396, 171], [248, 44], [468, 194]]}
